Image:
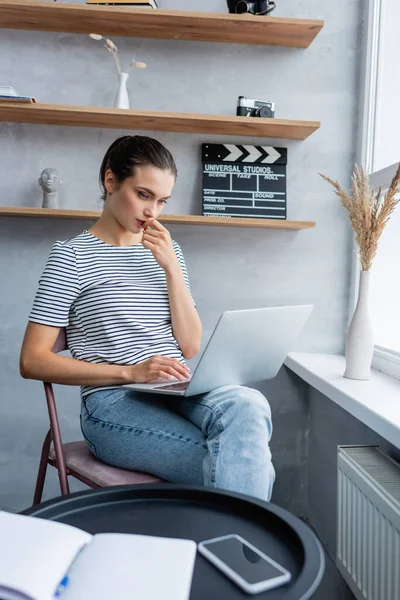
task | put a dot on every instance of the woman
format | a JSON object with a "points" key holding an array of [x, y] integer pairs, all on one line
{"points": [[122, 292]]}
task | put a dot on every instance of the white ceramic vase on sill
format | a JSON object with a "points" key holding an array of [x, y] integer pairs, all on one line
{"points": [[122, 98], [359, 338]]}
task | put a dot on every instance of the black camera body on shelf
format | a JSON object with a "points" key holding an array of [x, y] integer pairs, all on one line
{"points": [[254, 7], [255, 108]]}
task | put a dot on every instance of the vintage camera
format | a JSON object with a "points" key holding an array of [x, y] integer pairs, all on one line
{"points": [[257, 7], [255, 108]]}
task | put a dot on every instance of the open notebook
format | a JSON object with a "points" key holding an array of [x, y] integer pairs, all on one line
{"points": [[42, 560]]}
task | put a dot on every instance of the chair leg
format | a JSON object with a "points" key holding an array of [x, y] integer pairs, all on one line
{"points": [[42, 468], [63, 478]]}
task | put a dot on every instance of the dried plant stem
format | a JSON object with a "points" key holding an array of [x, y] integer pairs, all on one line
{"points": [[368, 212], [111, 47], [117, 62]]}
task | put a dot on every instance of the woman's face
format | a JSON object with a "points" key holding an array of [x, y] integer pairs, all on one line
{"points": [[140, 197]]}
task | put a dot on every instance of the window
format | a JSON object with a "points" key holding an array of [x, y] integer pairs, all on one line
{"points": [[385, 291], [379, 153], [386, 144]]}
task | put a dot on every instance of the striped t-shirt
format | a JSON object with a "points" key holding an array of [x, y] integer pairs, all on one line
{"points": [[112, 300]]}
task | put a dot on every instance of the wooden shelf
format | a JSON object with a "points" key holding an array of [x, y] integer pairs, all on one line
{"points": [[51, 213], [164, 24], [117, 118]]}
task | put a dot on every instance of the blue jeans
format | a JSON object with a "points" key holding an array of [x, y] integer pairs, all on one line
{"points": [[218, 439]]}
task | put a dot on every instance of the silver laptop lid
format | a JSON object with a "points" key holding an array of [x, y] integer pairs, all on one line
{"points": [[248, 345]]}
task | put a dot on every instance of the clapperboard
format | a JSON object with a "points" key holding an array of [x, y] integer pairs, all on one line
{"points": [[244, 181]]}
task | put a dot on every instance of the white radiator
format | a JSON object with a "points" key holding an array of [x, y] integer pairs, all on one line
{"points": [[368, 523]]}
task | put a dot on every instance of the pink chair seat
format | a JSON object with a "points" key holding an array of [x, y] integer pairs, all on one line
{"points": [[80, 460]]}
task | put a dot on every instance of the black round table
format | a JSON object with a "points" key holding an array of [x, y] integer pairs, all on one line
{"points": [[199, 513]]}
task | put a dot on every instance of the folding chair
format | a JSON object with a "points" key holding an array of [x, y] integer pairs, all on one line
{"points": [[74, 458]]}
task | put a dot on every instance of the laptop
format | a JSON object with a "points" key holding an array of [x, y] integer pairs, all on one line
{"points": [[245, 346]]}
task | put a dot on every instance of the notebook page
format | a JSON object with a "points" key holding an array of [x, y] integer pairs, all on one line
{"points": [[35, 553], [128, 566]]}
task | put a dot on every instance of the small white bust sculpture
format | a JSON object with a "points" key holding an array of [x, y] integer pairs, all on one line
{"points": [[50, 181]]}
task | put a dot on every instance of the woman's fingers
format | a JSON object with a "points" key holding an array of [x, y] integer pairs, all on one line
{"points": [[151, 232], [173, 362], [148, 244], [155, 224], [175, 368], [171, 375], [162, 375], [179, 374]]}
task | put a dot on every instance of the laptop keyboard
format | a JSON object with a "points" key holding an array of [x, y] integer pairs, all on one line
{"points": [[179, 387]]}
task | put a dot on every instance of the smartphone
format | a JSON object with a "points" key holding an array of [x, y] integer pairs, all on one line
{"points": [[252, 570]]}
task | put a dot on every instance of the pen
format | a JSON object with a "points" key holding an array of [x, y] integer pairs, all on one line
{"points": [[62, 586]]}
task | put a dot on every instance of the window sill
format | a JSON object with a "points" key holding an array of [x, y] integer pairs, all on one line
{"points": [[376, 402]]}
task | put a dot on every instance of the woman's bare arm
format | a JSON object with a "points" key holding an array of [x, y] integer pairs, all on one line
{"points": [[37, 361], [185, 320]]}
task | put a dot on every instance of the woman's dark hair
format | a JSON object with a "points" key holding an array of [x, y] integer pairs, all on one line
{"points": [[130, 151]]}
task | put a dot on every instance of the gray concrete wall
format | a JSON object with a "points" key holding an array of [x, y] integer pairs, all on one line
{"points": [[288, 398], [229, 268], [330, 427]]}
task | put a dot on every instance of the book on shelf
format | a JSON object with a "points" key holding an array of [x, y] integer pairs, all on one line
{"points": [[27, 99], [42, 560], [125, 3], [10, 94]]}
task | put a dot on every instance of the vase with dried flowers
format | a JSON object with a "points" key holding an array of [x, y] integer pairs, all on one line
{"points": [[121, 99], [369, 212]]}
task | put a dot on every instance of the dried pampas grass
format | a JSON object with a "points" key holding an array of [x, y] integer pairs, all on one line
{"points": [[368, 211], [112, 48]]}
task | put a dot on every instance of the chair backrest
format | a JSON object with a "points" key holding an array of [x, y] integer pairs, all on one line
{"points": [[59, 345], [61, 342]]}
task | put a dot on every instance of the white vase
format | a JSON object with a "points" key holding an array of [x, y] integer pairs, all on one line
{"points": [[359, 338], [122, 98]]}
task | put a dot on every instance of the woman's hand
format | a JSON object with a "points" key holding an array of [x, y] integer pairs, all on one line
{"points": [[157, 239], [156, 367]]}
